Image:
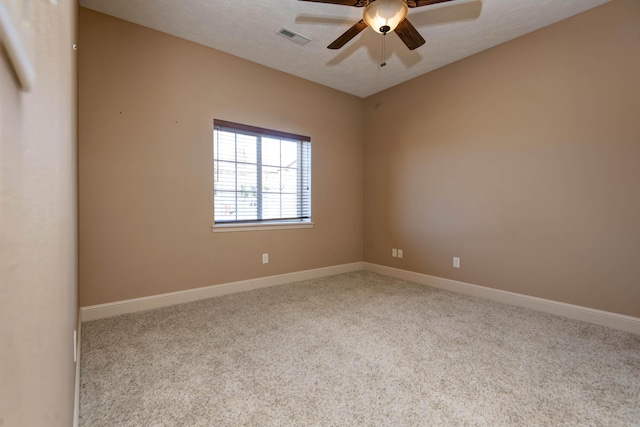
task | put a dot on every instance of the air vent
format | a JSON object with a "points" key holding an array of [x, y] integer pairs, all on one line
{"points": [[288, 34]]}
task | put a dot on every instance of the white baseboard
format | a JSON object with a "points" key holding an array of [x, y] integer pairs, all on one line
{"points": [[598, 317], [101, 311], [76, 400]]}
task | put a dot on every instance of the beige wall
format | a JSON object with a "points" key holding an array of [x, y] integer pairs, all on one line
{"points": [[38, 303], [523, 160], [147, 101]]}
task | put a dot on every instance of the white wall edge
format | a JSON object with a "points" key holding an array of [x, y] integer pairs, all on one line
{"points": [[101, 311], [598, 317], [12, 40], [76, 400]]}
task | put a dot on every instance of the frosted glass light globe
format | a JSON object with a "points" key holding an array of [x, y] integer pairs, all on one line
{"points": [[385, 15]]}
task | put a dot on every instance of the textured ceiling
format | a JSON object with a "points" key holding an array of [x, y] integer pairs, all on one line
{"points": [[248, 29]]}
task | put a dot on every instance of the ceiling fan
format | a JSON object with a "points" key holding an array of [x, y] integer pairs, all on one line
{"points": [[383, 16]]}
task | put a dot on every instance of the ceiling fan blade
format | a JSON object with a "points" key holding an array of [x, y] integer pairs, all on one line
{"points": [[419, 3], [409, 35], [348, 35], [356, 3]]}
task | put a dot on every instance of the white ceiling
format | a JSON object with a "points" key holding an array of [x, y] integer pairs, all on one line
{"points": [[248, 29]]}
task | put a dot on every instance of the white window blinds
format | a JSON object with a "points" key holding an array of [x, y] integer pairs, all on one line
{"points": [[260, 175]]}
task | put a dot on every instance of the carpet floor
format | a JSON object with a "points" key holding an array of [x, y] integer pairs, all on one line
{"points": [[355, 349]]}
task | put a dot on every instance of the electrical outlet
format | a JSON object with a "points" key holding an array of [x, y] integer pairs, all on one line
{"points": [[456, 262], [265, 258], [400, 253], [394, 253]]}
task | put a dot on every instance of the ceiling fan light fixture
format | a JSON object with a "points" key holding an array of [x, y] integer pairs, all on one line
{"points": [[384, 16]]}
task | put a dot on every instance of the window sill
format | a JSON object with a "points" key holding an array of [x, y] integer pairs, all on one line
{"points": [[264, 226]]}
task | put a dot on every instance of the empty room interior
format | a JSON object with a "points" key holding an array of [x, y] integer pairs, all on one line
{"points": [[206, 223]]}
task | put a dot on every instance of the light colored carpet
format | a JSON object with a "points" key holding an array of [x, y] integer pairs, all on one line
{"points": [[355, 349]]}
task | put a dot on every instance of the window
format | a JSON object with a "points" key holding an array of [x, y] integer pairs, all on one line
{"points": [[261, 176]]}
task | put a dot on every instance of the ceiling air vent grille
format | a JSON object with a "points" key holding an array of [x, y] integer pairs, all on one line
{"points": [[298, 38]]}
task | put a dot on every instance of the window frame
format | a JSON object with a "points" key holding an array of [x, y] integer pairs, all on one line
{"points": [[263, 224]]}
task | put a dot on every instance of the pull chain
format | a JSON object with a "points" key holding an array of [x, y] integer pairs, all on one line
{"points": [[384, 36]]}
